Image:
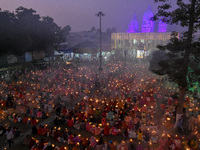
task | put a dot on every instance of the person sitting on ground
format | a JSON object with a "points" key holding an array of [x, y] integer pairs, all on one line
{"points": [[84, 142], [41, 144], [93, 142], [132, 134], [88, 126], [140, 135], [44, 130], [97, 130], [60, 139], [33, 121], [19, 119], [25, 119], [70, 139], [44, 115], [106, 130], [100, 144], [39, 114], [76, 139], [70, 122], [39, 130], [147, 136], [48, 146], [76, 125], [114, 131], [111, 146]]}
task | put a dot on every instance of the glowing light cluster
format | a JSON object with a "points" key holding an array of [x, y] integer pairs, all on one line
{"points": [[133, 25], [162, 26], [147, 23]]}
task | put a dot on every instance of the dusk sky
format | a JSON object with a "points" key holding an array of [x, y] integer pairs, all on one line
{"points": [[80, 14]]}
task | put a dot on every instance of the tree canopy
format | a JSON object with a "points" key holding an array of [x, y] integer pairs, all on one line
{"points": [[24, 30], [181, 56]]}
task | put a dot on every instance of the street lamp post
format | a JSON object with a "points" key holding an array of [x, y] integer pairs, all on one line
{"points": [[125, 53], [100, 14]]}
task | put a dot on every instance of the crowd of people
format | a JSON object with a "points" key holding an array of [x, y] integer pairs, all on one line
{"points": [[119, 101]]}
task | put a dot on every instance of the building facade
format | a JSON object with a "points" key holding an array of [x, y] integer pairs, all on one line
{"points": [[140, 42]]}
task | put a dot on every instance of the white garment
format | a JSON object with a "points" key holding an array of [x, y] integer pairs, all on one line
{"points": [[9, 135], [132, 134], [19, 119]]}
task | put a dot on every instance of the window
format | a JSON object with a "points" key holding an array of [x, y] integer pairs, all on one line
{"points": [[142, 41], [134, 41]]}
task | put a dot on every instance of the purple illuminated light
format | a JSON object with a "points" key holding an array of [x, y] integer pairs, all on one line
{"points": [[148, 24], [162, 26], [133, 25]]}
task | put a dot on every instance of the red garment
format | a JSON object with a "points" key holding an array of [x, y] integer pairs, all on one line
{"points": [[103, 121], [20, 95], [39, 114], [187, 100], [44, 131], [162, 106], [169, 142], [33, 122], [64, 111], [39, 131], [135, 108], [106, 130], [107, 108], [82, 103], [56, 134], [151, 99], [25, 102], [162, 143], [170, 101], [70, 123], [41, 145], [88, 126], [15, 120], [31, 143], [70, 139], [62, 148], [124, 126], [79, 116], [104, 114], [114, 131], [97, 131], [25, 119]]}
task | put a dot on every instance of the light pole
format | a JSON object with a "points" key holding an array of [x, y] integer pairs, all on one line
{"points": [[100, 14], [125, 52]]}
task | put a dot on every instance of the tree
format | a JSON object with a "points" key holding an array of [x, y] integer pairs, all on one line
{"points": [[28, 26], [25, 31], [54, 35], [7, 22], [182, 54]]}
